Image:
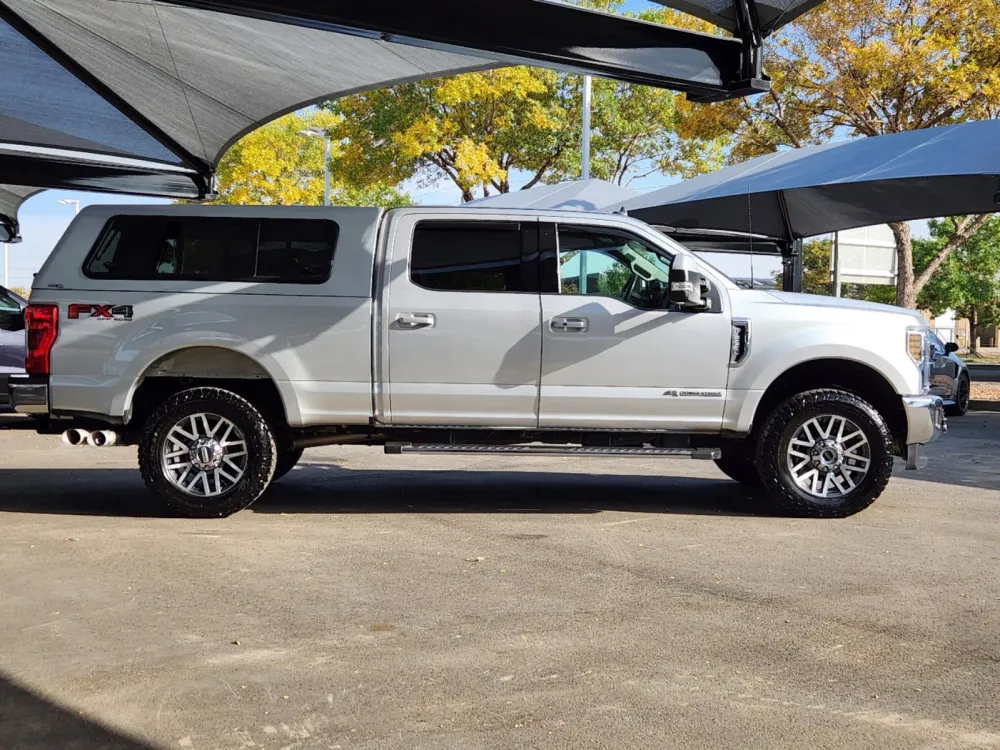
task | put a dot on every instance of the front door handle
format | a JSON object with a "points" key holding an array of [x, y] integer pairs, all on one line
{"points": [[411, 321], [569, 325]]}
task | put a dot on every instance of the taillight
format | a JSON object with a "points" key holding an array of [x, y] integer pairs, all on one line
{"points": [[41, 323]]}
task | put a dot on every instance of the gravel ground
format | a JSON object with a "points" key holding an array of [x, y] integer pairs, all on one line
{"points": [[985, 391], [471, 602]]}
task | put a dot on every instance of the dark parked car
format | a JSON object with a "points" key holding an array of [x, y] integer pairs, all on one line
{"points": [[12, 344], [949, 377]]}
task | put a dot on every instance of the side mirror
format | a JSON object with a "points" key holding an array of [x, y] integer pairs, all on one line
{"points": [[686, 284], [950, 348]]}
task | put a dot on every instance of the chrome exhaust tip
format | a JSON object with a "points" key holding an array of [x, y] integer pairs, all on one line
{"points": [[75, 437], [102, 438]]}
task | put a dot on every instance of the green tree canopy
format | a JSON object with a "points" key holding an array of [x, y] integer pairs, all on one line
{"points": [[275, 165], [968, 281]]}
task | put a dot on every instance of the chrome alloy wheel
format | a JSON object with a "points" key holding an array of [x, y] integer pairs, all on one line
{"points": [[828, 456], [204, 455]]}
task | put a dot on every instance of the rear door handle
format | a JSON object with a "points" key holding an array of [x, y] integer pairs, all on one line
{"points": [[411, 321], [569, 325]]}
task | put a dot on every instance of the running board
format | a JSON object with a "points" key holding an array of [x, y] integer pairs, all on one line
{"points": [[555, 450]]}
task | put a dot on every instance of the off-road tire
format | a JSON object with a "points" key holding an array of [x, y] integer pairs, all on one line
{"points": [[780, 426], [287, 461], [738, 464], [262, 455], [961, 405]]}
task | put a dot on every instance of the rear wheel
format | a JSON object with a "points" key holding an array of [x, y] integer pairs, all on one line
{"points": [[961, 404], [207, 453], [825, 454]]}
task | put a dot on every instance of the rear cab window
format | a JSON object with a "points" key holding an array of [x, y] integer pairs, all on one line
{"points": [[195, 248]]}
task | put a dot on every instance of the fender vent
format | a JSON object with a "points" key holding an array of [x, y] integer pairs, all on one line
{"points": [[739, 347]]}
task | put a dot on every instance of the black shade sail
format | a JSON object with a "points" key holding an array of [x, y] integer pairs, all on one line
{"points": [[727, 14], [946, 171], [145, 96]]}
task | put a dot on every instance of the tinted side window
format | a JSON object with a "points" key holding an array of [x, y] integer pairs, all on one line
{"points": [[295, 250], [8, 303], [128, 248], [467, 256], [208, 249], [291, 251]]}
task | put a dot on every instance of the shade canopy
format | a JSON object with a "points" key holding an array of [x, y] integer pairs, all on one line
{"points": [[804, 192], [145, 96], [726, 14], [580, 195]]}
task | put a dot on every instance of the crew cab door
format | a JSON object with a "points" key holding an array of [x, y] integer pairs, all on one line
{"points": [[613, 354], [461, 323]]}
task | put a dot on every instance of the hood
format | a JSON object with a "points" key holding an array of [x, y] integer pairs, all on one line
{"points": [[816, 300]]}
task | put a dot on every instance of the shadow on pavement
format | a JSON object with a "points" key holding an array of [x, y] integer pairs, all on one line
{"points": [[965, 456], [327, 488], [31, 722], [320, 488]]}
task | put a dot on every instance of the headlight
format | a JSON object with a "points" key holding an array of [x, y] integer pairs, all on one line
{"points": [[918, 346]]}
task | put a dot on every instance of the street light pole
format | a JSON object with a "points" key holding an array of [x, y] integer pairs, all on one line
{"points": [[326, 170], [320, 133], [71, 202], [585, 136]]}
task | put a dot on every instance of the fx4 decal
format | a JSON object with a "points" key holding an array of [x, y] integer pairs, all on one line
{"points": [[105, 312]]}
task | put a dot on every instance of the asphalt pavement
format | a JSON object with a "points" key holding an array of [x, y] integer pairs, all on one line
{"points": [[372, 601]]}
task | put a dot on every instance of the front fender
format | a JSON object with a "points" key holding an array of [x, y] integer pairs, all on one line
{"points": [[884, 352]]}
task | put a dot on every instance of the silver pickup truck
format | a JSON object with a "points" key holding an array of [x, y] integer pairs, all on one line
{"points": [[225, 340]]}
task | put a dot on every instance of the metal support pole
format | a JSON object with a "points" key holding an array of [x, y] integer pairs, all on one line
{"points": [[326, 171], [585, 136], [791, 266], [836, 264]]}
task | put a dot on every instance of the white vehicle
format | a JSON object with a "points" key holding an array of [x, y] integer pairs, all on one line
{"points": [[225, 340]]}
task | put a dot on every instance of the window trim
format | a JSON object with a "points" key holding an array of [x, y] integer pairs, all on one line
{"points": [[528, 262], [181, 219]]}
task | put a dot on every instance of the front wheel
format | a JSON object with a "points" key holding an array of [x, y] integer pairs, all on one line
{"points": [[962, 397], [825, 454], [206, 453]]}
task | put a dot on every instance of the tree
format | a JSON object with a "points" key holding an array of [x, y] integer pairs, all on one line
{"points": [[639, 131], [968, 280], [861, 68], [275, 165], [815, 267], [473, 128], [479, 129]]}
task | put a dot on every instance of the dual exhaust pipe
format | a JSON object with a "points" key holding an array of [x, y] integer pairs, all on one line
{"points": [[96, 438]]}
